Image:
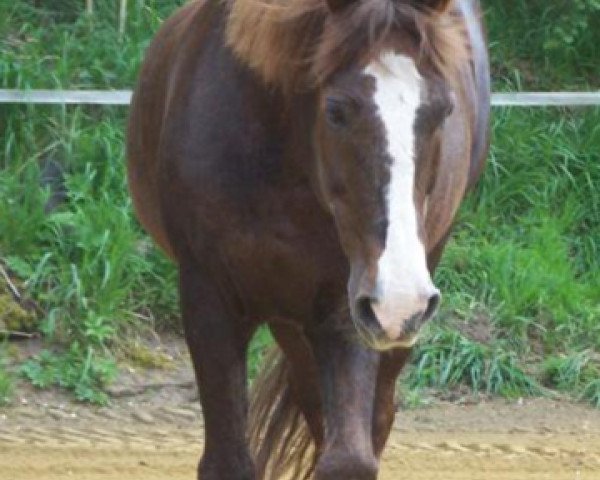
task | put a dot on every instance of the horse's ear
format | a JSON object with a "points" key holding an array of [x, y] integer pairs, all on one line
{"points": [[338, 5], [436, 5]]}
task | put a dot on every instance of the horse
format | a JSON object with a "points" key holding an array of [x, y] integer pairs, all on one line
{"points": [[302, 162]]}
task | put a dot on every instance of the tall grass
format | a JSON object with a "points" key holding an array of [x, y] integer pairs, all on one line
{"points": [[58, 46], [525, 254], [524, 259], [527, 243], [87, 261], [542, 45], [6, 380]]}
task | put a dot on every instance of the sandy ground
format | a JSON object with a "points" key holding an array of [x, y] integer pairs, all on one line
{"points": [[153, 430], [136, 439]]}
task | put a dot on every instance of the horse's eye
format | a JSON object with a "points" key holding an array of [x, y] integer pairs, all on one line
{"points": [[337, 112]]}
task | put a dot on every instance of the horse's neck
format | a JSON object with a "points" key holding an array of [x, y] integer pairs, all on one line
{"points": [[300, 146]]}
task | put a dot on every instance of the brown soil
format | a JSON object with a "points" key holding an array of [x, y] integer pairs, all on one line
{"points": [[540, 439], [153, 430]]}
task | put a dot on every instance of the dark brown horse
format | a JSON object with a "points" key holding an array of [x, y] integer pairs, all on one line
{"points": [[302, 162]]}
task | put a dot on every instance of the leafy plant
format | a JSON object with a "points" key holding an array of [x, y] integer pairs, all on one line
{"points": [[541, 45], [577, 16], [79, 369]]}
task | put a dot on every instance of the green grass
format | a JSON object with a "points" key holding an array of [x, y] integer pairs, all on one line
{"points": [[6, 379], [526, 251], [87, 262], [529, 238], [40, 48], [6, 386], [525, 254], [542, 45], [577, 374], [524, 260], [447, 359]]}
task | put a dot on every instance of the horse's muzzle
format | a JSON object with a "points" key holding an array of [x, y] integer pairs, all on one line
{"points": [[382, 327]]}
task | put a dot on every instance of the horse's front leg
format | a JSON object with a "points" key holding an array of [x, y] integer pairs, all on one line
{"points": [[391, 364], [348, 373], [217, 340]]}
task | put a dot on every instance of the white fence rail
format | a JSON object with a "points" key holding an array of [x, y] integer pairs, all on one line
{"points": [[123, 97], [67, 97], [545, 99]]}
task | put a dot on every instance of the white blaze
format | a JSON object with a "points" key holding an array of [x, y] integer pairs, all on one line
{"points": [[404, 281]]}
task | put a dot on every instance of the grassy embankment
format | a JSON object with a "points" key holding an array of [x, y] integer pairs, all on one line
{"points": [[521, 278]]}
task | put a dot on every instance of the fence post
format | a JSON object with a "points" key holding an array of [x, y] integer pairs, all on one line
{"points": [[122, 18], [89, 6]]}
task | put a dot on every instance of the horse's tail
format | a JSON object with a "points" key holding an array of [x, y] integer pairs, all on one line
{"points": [[278, 434]]}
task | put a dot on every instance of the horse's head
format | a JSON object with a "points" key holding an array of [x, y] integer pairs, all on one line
{"points": [[377, 137]]}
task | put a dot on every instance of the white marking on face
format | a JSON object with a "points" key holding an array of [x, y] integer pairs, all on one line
{"points": [[403, 277]]}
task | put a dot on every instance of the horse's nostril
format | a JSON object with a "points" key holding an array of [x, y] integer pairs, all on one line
{"points": [[364, 309], [432, 305]]}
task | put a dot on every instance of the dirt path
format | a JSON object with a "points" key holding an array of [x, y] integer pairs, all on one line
{"points": [[138, 440], [414, 457], [153, 430]]}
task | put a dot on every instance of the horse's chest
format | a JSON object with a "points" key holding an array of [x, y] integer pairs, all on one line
{"points": [[283, 255]]}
